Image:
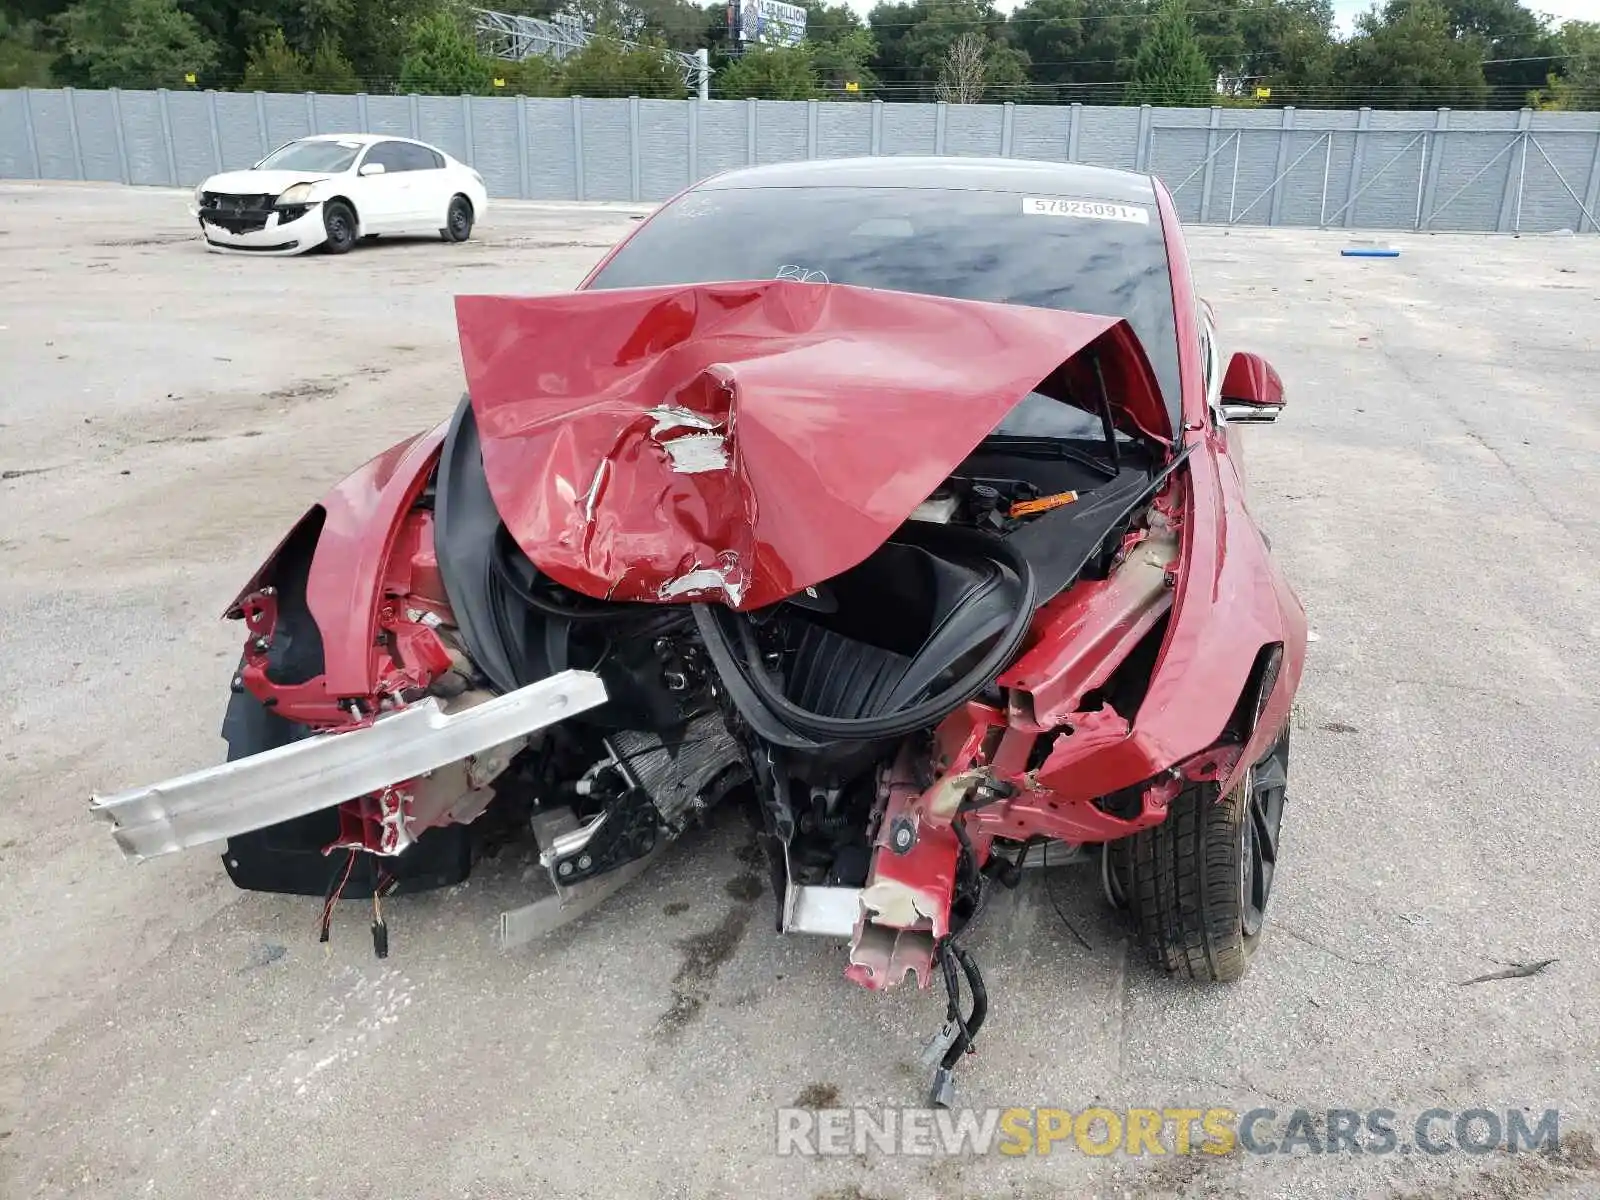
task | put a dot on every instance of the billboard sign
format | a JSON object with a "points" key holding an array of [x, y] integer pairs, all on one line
{"points": [[769, 23]]}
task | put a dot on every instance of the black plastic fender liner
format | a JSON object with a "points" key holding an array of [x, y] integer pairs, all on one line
{"points": [[725, 658], [1060, 543], [288, 858], [465, 523]]}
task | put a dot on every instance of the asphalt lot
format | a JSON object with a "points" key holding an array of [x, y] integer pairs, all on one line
{"points": [[164, 414]]}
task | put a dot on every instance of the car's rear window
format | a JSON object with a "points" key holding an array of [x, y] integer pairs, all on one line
{"points": [[312, 156], [1003, 246]]}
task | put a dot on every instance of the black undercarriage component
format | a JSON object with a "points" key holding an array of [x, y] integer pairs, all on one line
{"points": [[687, 772], [626, 829], [290, 857]]}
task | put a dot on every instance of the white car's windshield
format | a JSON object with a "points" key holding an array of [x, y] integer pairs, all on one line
{"points": [[312, 156]]}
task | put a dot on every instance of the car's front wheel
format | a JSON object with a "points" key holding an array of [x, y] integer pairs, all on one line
{"points": [[457, 220], [1197, 885], [339, 223]]}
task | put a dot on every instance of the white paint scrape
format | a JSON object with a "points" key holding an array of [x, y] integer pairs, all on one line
{"points": [[726, 578], [702, 448]]}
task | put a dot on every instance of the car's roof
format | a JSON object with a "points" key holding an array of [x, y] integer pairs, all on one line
{"points": [[963, 174], [366, 139]]}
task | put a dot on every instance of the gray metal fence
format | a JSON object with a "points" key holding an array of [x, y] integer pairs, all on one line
{"points": [[1441, 170]]}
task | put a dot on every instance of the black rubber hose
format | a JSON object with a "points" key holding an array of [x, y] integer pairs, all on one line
{"points": [[904, 721]]}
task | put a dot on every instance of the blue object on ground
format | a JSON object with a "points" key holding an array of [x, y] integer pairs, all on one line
{"points": [[1358, 253]]}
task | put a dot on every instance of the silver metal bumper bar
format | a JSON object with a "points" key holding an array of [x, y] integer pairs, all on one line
{"points": [[325, 769]]}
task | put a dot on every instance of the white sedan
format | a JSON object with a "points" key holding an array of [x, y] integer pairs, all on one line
{"points": [[334, 189]]}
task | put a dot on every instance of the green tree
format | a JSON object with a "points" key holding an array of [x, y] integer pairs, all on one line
{"points": [[915, 37], [770, 73], [273, 66], [23, 61], [441, 58], [329, 70], [131, 43], [537, 75], [829, 23], [376, 35], [842, 60], [1286, 44], [1170, 67], [1083, 48], [370, 34], [1576, 86], [1403, 56], [1289, 46], [607, 67], [1515, 44]]}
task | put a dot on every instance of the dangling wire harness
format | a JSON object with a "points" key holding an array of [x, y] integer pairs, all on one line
{"points": [[950, 956]]}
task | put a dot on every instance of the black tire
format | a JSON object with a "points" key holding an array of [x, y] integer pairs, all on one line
{"points": [[457, 220], [339, 222], [1197, 885]]}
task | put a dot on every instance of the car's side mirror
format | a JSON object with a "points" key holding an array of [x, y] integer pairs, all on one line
{"points": [[1251, 390], [371, 169]]}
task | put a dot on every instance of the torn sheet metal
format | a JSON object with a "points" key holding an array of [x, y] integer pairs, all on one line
{"points": [[792, 426]]}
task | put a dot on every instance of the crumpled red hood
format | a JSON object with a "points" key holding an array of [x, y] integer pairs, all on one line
{"points": [[740, 441]]}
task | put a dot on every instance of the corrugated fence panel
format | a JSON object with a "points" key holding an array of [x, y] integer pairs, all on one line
{"points": [[287, 119], [97, 135], [494, 145], [1178, 158], [1242, 190], [1557, 173], [1296, 197], [1470, 176], [1448, 169], [844, 130], [189, 115], [1392, 170], [338, 114], [1578, 136], [607, 153], [441, 121], [973, 130], [781, 131], [908, 128], [389, 114], [15, 160], [663, 148], [724, 135], [1109, 137], [1038, 131], [239, 131], [551, 174], [144, 139], [53, 136]]}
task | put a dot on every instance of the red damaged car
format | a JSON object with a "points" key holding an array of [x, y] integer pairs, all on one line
{"points": [[900, 499]]}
